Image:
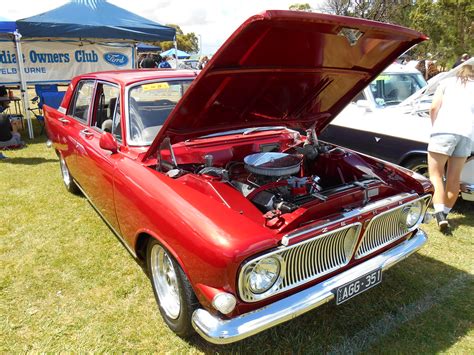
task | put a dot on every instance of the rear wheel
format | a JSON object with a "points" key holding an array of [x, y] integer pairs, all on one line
{"points": [[173, 293], [418, 164], [67, 178]]}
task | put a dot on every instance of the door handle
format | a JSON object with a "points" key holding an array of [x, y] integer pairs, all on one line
{"points": [[86, 132], [63, 120]]}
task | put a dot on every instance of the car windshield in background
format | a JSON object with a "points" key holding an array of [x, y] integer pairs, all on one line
{"points": [[149, 106], [392, 88]]}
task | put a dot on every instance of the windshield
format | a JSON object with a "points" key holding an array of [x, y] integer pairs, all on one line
{"points": [[149, 105], [392, 88]]}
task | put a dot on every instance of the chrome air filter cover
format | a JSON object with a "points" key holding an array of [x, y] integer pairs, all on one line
{"points": [[273, 164]]}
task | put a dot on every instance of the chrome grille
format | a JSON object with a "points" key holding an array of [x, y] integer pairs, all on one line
{"points": [[386, 228], [307, 260]]}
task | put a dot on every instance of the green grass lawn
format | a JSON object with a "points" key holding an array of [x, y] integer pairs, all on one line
{"points": [[66, 283]]}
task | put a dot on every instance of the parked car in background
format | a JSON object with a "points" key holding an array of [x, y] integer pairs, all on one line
{"points": [[241, 222], [390, 119]]}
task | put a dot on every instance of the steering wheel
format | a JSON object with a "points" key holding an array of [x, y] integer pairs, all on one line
{"points": [[165, 102]]}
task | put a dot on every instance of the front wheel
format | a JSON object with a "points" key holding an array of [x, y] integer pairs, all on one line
{"points": [[67, 178], [418, 164], [173, 293]]}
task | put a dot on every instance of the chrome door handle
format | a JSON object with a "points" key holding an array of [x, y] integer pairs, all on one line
{"points": [[63, 120], [86, 132]]}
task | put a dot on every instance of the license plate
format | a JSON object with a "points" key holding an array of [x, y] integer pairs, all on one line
{"points": [[357, 286]]}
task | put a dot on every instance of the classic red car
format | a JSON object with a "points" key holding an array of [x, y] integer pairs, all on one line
{"points": [[217, 183]]}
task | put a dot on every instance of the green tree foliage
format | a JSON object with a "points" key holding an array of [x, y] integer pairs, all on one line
{"points": [[186, 42], [448, 23], [301, 7]]}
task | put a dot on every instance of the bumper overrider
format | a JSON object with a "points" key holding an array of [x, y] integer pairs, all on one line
{"points": [[467, 191], [222, 331]]}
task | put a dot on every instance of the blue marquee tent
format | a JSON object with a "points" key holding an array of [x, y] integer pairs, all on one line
{"points": [[181, 54], [87, 19], [144, 47]]}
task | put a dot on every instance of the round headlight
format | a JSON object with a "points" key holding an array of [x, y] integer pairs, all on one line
{"points": [[264, 274], [412, 213]]}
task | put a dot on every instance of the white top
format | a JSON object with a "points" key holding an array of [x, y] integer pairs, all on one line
{"points": [[456, 115]]}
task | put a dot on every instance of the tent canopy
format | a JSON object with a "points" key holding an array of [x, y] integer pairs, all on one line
{"points": [[181, 54], [143, 47], [7, 26], [89, 19]]}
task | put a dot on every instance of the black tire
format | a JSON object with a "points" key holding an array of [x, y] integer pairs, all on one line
{"points": [[418, 164], [68, 180], [178, 321]]}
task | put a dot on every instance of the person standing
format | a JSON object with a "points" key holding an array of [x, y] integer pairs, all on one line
{"points": [[452, 117], [148, 62]]}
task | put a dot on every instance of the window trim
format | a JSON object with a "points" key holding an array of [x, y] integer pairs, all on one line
{"points": [[73, 106], [102, 82]]}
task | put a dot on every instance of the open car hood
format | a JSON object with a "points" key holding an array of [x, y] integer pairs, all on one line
{"points": [[288, 68]]}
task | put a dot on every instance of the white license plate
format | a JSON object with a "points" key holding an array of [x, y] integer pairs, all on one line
{"points": [[357, 286]]}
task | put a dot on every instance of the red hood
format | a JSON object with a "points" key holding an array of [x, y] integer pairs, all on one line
{"points": [[295, 69]]}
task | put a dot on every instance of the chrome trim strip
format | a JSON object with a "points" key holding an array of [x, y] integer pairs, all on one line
{"points": [[371, 206], [295, 255], [119, 237], [223, 331], [383, 231]]}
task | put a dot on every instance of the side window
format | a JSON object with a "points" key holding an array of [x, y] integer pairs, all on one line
{"points": [[82, 101], [107, 96]]}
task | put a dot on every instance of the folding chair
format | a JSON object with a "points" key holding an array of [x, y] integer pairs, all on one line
{"points": [[45, 94]]}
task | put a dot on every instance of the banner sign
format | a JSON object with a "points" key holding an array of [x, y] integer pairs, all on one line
{"points": [[60, 61]]}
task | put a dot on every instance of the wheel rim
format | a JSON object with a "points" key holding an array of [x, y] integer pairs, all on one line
{"points": [[65, 172], [165, 281], [421, 169]]}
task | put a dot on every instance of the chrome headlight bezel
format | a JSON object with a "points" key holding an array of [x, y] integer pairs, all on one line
{"points": [[412, 214], [252, 267]]}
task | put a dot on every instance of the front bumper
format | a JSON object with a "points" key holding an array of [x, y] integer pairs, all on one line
{"points": [[467, 191], [222, 331]]}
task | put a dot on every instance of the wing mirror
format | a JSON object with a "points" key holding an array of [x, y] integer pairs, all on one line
{"points": [[364, 104], [108, 142]]}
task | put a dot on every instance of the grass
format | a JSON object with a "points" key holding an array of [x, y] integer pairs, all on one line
{"points": [[66, 284]]}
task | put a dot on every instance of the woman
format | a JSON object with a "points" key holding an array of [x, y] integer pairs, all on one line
{"points": [[452, 117]]}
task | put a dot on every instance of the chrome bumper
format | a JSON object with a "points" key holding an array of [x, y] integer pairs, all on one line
{"points": [[222, 331], [467, 188]]}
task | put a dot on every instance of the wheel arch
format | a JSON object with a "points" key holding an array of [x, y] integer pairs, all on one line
{"points": [[410, 155]]}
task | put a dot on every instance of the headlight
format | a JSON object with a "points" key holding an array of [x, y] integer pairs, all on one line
{"points": [[264, 274], [412, 214]]}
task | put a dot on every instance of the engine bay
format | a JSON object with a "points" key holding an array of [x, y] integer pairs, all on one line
{"points": [[289, 181]]}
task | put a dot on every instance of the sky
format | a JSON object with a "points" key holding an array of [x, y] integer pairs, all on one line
{"points": [[213, 21]]}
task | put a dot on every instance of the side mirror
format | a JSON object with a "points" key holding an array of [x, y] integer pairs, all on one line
{"points": [[108, 142]]}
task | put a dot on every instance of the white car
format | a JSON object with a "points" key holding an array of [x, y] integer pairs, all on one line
{"points": [[390, 119]]}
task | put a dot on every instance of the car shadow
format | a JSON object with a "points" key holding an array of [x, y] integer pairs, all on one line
{"points": [[420, 307], [27, 161]]}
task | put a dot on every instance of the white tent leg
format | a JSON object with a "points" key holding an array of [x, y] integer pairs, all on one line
{"points": [[23, 87]]}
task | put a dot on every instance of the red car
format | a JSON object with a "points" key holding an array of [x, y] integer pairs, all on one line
{"points": [[217, 183]]}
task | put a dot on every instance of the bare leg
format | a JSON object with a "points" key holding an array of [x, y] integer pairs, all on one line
{"points": [[455, 166], [436, 164]]}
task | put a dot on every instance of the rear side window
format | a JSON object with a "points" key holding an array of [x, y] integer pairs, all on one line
{"points": [[80, 107]]}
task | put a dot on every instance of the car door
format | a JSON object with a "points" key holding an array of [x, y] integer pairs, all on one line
{"points": [[97, 164], [70, 124]]}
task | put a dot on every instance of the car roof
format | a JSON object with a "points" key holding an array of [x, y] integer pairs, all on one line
{"points": [[126, 77]]}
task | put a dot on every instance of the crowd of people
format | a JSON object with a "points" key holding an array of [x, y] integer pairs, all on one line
{"points": [[154, 60]]}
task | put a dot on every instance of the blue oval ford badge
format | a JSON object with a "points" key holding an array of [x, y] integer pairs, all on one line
{"points": [[117, 59]]}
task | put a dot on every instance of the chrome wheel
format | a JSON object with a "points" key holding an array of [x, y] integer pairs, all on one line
{"points": [[165, 280]]}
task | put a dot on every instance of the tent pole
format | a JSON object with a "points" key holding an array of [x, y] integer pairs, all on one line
{"points": [[176, 51], [23, 87]]}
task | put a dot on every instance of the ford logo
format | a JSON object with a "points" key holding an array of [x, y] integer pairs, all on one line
{"points": [[117, 59]]}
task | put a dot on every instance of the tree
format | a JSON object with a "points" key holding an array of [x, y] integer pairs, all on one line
{"points": [[301, 7], [186, 42]]}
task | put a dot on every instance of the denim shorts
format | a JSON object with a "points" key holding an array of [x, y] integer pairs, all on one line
{"points": [[453, 145]]}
